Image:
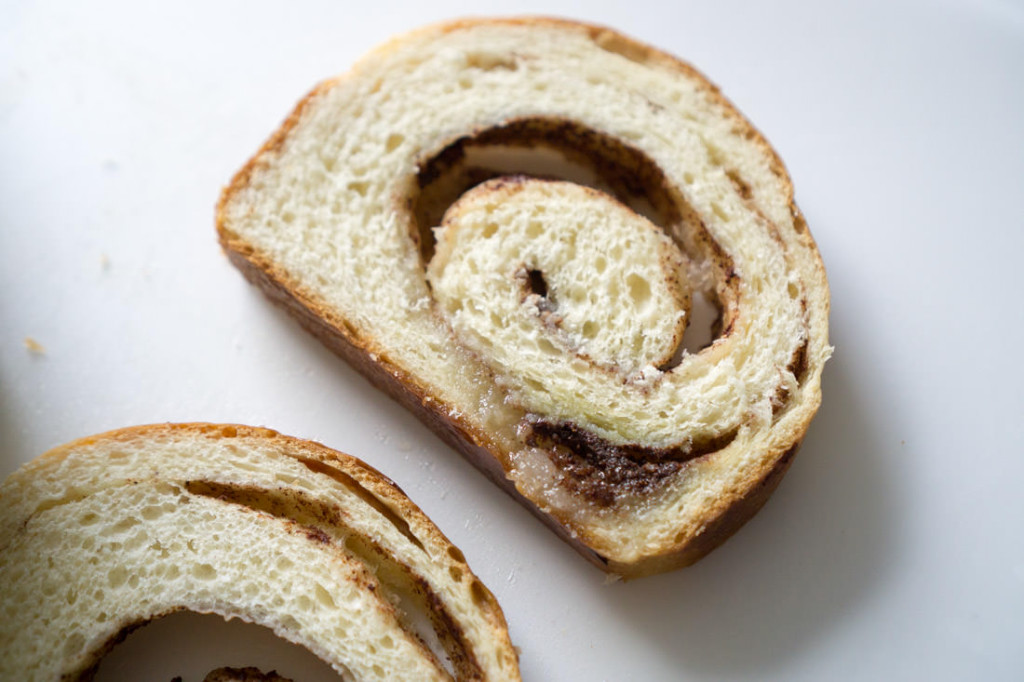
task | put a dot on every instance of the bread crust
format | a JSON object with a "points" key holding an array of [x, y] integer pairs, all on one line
{"points": [[719, 520]]}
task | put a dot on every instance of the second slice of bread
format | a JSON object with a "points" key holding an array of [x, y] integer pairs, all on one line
{"points": [[107, 533]]}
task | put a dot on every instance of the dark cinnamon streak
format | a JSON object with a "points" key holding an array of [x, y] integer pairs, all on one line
{"points": [[602, 471], [627, 171]]}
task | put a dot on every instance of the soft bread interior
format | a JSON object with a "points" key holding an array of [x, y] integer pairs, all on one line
{"points": [[108, 533], [524, 265]]}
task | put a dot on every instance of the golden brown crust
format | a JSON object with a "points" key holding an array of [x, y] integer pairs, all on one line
{"points": [[722, 519]]}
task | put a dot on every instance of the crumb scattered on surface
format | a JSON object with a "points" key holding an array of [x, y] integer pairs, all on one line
{"points": [[34, 346], [104, 262]]}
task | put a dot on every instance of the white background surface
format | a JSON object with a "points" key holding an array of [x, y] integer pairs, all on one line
{"points": [[894, 549]]}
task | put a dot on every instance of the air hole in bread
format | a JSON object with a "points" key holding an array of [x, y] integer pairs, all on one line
{"points": [[705, 322], [204, 572], [702, 327], [617, 44], [489, 61], [117, 576], [538, 285], [479, 592], [798, 365], [394, 141], [639, 289]]}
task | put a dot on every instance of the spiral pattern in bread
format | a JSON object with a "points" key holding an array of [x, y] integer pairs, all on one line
{"points": [[107, 533], [508, 225]]}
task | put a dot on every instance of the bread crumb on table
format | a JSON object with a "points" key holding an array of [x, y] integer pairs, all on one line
{"points": [[34, 346]]}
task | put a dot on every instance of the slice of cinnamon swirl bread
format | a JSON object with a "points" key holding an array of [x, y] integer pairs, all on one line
{"points": [[107, 533], [504, 223]]}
